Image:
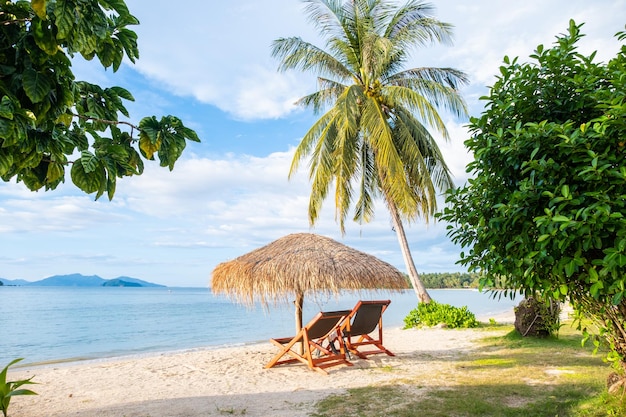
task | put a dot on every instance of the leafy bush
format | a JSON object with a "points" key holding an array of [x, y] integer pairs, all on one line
{"points": [[10, 389], [434, 313], [545, 208]]}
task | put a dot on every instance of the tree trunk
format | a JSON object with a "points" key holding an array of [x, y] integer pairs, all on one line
{"points": [[298, 304], [418, 285]]}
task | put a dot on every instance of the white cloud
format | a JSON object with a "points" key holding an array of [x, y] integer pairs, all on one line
{"points": [[204, 212], [174, 227], [220, 53]]}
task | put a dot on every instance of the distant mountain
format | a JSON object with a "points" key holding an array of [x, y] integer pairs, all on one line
{"points": [[120, 283], [137, 281], [73, 280], [78, 280], [15, 281]]}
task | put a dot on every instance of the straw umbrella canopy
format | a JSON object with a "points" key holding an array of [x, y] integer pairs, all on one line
{"points": [[301, 263]]}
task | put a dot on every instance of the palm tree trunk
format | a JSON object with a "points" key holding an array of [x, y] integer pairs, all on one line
{"points": [[418, 285]]}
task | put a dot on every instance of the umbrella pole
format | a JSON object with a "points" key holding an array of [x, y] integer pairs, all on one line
{"points": [[298, 303]]}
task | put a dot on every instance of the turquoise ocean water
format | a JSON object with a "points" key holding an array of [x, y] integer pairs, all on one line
{"points": [[51, 324]]}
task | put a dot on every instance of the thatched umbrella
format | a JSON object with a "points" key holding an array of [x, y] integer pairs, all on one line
{"points": [[299, 263]]}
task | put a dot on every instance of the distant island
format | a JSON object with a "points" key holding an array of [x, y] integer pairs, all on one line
{"points": [[78, 280]]}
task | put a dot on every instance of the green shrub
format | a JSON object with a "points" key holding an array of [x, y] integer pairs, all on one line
{"points": [[433, 314], [9, 389]]}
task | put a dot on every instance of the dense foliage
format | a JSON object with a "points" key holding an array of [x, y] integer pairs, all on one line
{"points": [[546, 208], [49, 120], [434, 314], [450, 280]]}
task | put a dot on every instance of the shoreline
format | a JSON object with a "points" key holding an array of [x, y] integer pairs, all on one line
{"points": [[215, 382], [84, 325], [500, 318], [133, 356]]}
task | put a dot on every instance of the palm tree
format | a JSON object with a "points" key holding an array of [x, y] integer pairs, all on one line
{"points": [[373, 138]]}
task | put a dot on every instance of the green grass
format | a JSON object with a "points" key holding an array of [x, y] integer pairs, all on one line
{"points": [[510, 377]]}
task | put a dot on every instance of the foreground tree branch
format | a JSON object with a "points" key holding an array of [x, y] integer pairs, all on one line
{"points": [[47, 115]]}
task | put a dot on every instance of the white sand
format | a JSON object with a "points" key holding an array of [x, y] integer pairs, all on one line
{"points": [[229, 381]]}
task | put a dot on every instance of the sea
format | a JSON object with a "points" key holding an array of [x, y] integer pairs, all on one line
{"points": [[49, 325]]}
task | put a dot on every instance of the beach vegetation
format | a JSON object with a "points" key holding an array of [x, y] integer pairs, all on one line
{"points": [[10, 389], [505, 375], [544, 211], [372, 139], [450, 279], [52, 124], [438, 314]]}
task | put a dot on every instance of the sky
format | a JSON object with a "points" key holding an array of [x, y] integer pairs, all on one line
{"points": [[209, 63]]}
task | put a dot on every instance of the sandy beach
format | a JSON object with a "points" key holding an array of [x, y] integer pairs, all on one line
{"points": [[230, 381]]}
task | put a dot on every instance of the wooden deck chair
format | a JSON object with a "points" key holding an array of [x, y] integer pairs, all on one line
{"points": [[312, 336], [358, 328]]}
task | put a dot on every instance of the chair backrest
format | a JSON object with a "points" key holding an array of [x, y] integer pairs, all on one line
{"points": [[324, 322], [367, 316]]}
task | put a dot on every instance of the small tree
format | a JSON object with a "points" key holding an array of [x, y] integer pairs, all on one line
{"points": [[546, 209], [49, 120]]}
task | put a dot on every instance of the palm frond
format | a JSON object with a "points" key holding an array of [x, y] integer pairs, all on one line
{"points": [[414, 25], [375, 139], [423, 160], [321, 166], [327, 95], [310, 140], [449, 77], [368, 186], [438, 86], [379, 136], [417, 104], [324, 15], [332, 145], [346, 167], [295, 53]]}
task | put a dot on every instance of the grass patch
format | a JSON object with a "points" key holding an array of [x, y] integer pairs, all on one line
{"points": [[508, 376]]}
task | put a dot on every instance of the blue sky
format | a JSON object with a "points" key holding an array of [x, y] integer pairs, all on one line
{"points": [[209, 63]]}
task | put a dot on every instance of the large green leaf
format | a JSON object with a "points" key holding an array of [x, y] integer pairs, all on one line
{"points": [[117, 5], [36, 85], [122, 92], [128, 40], [190, 134], [89, 182], [108, 54], [147, 146], [44, 37], [6, 161], [64, 19], [89, 161], [111, 186], [6, 108], [55, 173], [39, 7], [151, 127]]}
